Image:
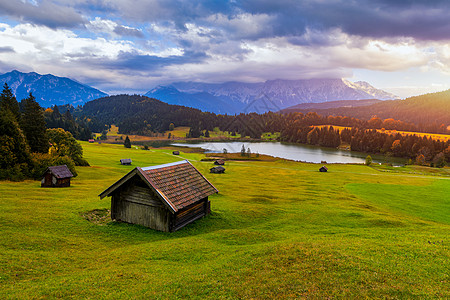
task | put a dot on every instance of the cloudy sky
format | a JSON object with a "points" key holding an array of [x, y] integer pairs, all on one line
{"points": [[402, 46]]}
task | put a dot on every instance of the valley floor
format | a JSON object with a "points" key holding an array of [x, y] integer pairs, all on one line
{"points": [[278, 229]]}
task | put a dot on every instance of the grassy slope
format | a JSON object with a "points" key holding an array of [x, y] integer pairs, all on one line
{"points": [[278, 229]]}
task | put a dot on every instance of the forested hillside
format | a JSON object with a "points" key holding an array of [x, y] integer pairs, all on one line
{"points": [[135, 114], [429, 110], [141, 115]]}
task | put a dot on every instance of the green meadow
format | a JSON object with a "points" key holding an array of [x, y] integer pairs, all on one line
{"points": [[278, 229]]}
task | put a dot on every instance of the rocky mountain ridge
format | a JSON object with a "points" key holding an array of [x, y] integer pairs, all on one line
{"points": [[48, 89], [271, 95]]}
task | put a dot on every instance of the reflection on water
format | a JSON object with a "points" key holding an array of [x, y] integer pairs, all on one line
{"points": [[297, 152]]}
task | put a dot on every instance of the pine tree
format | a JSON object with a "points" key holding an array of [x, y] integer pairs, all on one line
{"points": [[127, 142], [15, 157], [8, 101], [33, 125], [194, 132]]}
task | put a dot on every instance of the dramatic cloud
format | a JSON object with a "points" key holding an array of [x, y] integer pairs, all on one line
{"points": [[113, 29], [132, 61], [423, 20], [134, 45], [44, 12], [6, 49], [128, 31]]}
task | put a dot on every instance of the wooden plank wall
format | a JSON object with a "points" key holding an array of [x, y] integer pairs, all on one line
{"points": [[138, 205], [190, 214]]}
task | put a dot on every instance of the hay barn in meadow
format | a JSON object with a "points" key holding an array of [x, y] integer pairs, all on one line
{"points": [[164, 197], [56, 176], [125, 161], [217, 170]]}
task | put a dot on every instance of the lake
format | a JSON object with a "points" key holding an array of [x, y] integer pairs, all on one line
{"points": [[298, 152]]}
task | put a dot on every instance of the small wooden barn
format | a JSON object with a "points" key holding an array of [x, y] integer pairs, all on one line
{"points": [[164, 197], [125, 161], [217, 170], [323, 169], [56, 176], [176, 152], [219, 162]]}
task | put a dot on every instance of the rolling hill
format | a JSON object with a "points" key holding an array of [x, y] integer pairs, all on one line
{"points": [[424, 109]]}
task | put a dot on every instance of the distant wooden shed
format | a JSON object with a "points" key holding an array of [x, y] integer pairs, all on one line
{"points": [[219, 162], [176, 152], [217, 170], [125, 161], [56, 176], [323, 169], [164, 197]]}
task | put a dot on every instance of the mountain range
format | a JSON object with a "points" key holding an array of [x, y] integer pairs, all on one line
{"points": [[222, 98], [48, 89], [273, 95]]}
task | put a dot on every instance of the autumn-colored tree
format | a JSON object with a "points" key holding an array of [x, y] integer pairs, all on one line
{"points": [[375, 123], [64, 144], [396, 147], [420, 160]]}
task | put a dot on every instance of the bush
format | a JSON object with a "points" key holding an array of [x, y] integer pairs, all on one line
{"points": [[368, 160], [41, 161], [18, 172], [439, 160]]}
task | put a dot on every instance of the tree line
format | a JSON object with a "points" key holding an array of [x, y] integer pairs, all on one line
{"points": [[27, 147], [419, 149], [425, 113]]}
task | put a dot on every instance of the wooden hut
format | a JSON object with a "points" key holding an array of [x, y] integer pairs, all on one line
{"points": [[217, 170], [56, 176], [125, 161], [176, 152], [219, 162], [164, 197], [323, 169]]}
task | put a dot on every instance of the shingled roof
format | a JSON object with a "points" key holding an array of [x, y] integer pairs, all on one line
{"points": [[178, 184], [60, 171]]}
